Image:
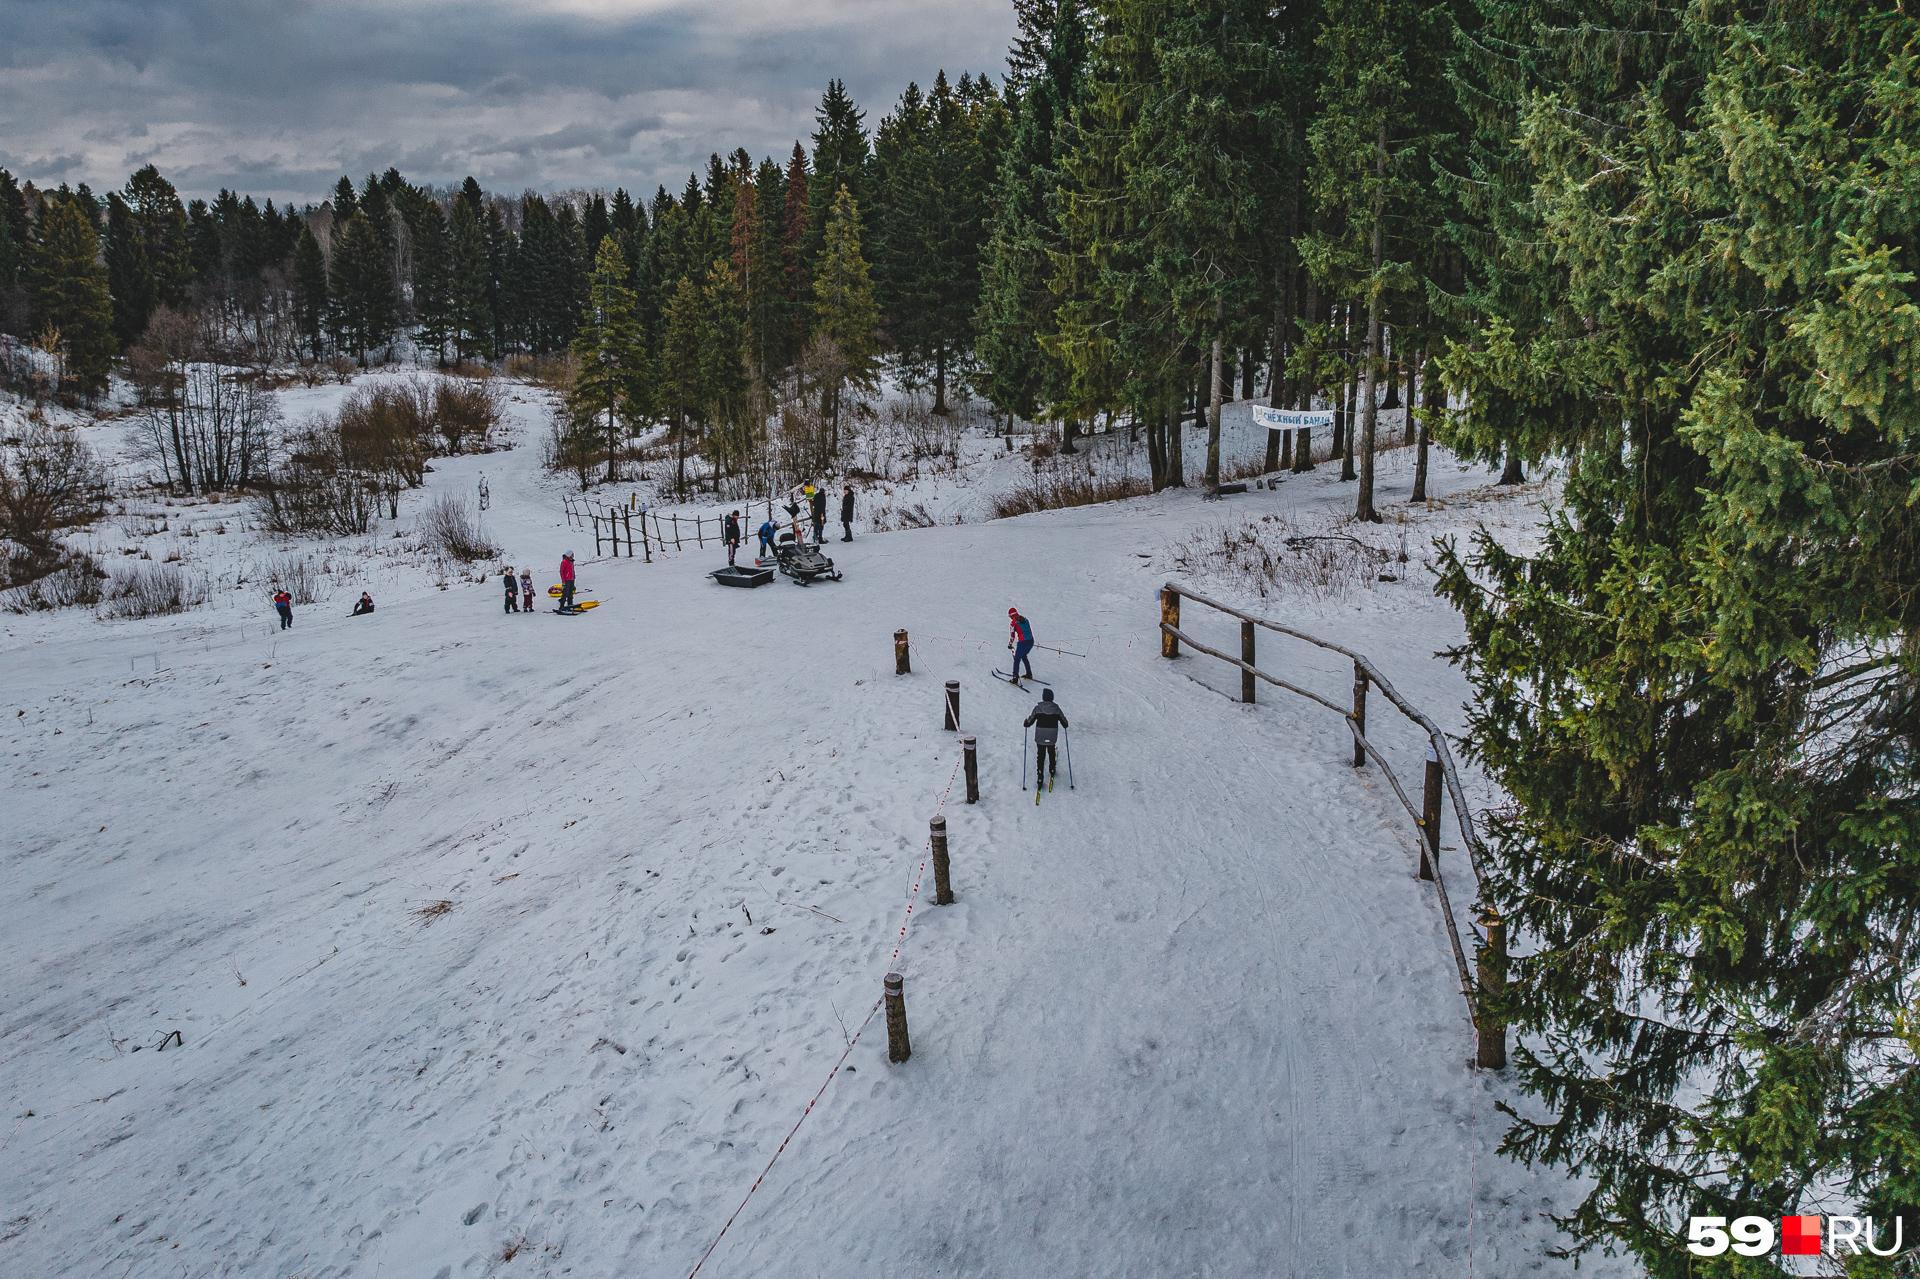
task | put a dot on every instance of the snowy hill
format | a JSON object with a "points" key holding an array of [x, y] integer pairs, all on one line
{"points": [[517, 944]]}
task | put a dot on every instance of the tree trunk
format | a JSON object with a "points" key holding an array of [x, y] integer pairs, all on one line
{"points": [[1413, 366], [1391, 342], [1176, 448], [1069, 431], [1344, 426], [612, 450], [1156, 451], [1435, 402], [1371, 358], [1213, 408], [1512, 473], [940, 379], [1246, 374]]}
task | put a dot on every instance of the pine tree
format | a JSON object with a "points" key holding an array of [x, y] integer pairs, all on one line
{"points": [[684, 345], [846, 319], [70, 294], [1699, 692], [611, 378], [309, 289], [13, 241]]}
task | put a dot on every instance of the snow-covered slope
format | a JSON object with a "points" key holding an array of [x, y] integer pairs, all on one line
{"points": [[516, 944]]}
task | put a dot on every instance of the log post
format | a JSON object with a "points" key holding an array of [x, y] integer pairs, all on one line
{"points": [[646, 544], [953, 706], [676, 532], [898, 1049], [942, 872], [1490, 1030], [971, 756], [1430, 816], [902, 659], [1246, 655], [700, 532], [1359, 714], [1169, 616]]}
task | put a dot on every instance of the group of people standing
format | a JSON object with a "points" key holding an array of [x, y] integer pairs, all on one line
{"points": [[814, 498], [519, 589]]}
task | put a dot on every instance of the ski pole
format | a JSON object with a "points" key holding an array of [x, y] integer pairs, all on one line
{"points": [[1023, 763], [1066, 735], [1062, 651]]}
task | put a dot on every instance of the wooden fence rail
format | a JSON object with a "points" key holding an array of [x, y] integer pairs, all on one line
{"points": [[1490, 1034], [635, 530]]}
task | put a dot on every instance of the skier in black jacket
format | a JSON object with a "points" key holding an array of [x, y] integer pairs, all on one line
{"points": [[730, 534], [819, 505], [1046, 721]]}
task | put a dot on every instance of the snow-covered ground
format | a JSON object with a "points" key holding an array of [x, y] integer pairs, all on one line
{"points": [[515, 945]]}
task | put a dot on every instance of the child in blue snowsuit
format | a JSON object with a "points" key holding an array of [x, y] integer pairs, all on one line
{"points": [[767, 533], [1021, 642]]}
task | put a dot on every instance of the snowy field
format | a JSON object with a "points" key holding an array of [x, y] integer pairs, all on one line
{"points": [[516, 945]]}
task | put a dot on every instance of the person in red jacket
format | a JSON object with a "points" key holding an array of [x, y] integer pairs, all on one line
{"points": [[566, 580], [1021, 642], [283, 605]]}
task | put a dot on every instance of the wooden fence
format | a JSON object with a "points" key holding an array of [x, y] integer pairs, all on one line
{"points": [[1442, 780], [635, 530]]}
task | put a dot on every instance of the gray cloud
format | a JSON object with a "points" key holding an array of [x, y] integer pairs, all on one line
{"points": [[279, 97]]}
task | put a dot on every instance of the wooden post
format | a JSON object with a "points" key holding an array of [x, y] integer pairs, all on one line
{"points": [[627, 519], [1359, 713], [1490, 1031], [1246, 655], [700, 532], [898, 1049], [646, 543], [1169, 616], [1430, 816], [953, 705], [902, 658], [942, 873], [971, 756], [676, 532]]}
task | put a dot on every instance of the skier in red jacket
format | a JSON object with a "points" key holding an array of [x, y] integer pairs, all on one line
{"points": [[1021, 642]]}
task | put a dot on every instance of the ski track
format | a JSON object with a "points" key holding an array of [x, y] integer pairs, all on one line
{"points": [[1194, 1017]]}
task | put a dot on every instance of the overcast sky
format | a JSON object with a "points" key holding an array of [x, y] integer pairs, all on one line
{"points": [[278, 98]]}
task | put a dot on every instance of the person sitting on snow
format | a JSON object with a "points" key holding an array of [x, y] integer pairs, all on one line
{"points": [[364, 606]]}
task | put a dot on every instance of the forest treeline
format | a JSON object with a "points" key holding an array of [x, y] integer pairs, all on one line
{"points": [[1671, 247]]}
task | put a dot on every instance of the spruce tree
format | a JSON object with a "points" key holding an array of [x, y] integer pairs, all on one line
{"points": [[841, 158], [309, 290], [162, 225], [611, 377], [846, 318], [360, 288], [796, 281], [469, 291], [129, 279], [1048, 61], [432, 280], [70, 294], [1699, 692]]}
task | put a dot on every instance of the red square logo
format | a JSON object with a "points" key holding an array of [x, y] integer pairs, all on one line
{"points": [[1800, 1236]]}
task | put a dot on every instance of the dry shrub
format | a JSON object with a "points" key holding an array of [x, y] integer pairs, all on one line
{"points": [[41, 580], [152, 590], [555, 371], [1051, 492], [467, 412], [299, 575], [1278, 555], [915, 516], [452, 528], [431, 911]]}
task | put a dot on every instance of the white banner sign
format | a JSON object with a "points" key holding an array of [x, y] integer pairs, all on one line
{"points": [[1284, 419]]}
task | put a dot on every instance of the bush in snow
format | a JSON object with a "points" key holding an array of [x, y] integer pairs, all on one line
{"points": [[1278, 555], [1054, 490], [48, 480], [451, 528], [60, 578], [151, 590], [466, 412]]}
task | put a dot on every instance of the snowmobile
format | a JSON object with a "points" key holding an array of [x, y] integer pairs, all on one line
{"points": [[801, 562]]}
